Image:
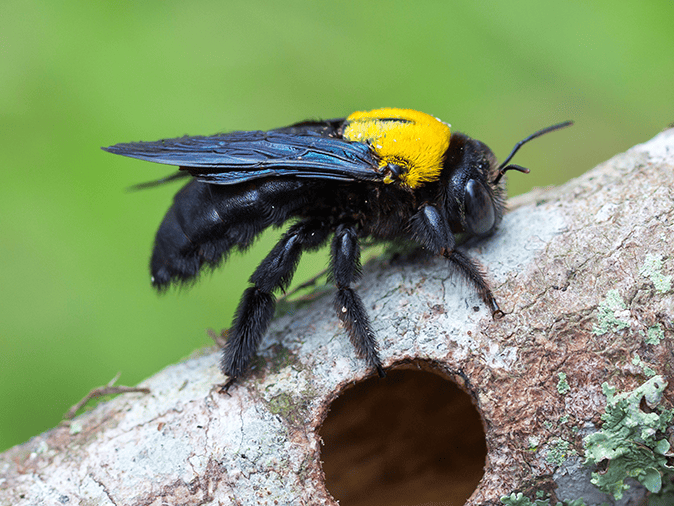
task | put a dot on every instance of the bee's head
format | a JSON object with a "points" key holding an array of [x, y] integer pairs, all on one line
{"points": [[473, 197], [474, 184]]}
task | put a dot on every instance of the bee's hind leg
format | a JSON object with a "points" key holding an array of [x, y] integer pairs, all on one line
{"points": [[345, 270], [257, 304]]}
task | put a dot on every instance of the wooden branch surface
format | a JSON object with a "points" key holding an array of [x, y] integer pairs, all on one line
{"points": [[557, 256]]}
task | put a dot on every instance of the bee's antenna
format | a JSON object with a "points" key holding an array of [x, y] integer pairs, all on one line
{"points": [[504, 167]]}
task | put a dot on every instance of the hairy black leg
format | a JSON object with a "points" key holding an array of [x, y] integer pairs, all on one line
{"points": [[345, 269], [431, 230], [469, 269], [256, 308], [251, 320]]}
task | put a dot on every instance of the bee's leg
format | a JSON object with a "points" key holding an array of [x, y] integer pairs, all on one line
{"points": [[432, 231], [345, 269], [256, 308], [472, 272]]}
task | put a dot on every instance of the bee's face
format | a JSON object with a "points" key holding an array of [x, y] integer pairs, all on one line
{"points": [[472, 202]]}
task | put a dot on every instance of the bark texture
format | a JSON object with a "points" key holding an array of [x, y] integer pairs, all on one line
{"points": [[581, 272]]}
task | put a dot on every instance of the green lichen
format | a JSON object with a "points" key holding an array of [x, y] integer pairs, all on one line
{"points": [[75, 427], [607, 321], [636, 360], [292, 409], [631, 442], [281, 405], [654, 334], [652, 269], [562, 385], [533, 444], [559, 451], [665, 497], [519, 499]]}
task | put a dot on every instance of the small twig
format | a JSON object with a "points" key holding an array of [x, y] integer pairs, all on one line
{"points": [[218, 339], [108, 389]]}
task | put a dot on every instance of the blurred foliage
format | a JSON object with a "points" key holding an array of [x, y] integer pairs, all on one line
{"points": [[77, 306]]}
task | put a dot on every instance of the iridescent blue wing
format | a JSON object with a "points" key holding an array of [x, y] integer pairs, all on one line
{"points": [[236, 157]]}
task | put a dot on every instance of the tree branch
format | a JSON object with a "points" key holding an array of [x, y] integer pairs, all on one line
{"points": [[580, 270]]}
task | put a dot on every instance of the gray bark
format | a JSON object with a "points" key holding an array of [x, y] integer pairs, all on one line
{"points": [[557, 255]]}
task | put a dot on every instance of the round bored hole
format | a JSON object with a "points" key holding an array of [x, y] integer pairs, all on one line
{"points": [[411, 438]]}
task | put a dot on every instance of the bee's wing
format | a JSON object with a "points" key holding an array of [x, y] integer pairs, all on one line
{"points": [[242, 156]]}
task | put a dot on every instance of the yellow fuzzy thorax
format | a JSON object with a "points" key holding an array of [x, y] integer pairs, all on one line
{"points": [[410, 139]]}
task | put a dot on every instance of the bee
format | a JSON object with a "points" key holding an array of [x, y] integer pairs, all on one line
{"points": [[380, 175]]}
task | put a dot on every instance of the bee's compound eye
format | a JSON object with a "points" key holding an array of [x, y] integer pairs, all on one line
{"points": [[479, 208]]}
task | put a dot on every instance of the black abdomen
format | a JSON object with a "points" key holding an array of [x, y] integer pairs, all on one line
{"points": [[206, 221]]}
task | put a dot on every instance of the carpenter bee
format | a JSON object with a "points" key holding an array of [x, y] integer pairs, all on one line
{"points": [[382, 175]]}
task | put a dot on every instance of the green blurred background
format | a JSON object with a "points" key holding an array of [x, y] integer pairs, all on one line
{"points": [[76, 304]]}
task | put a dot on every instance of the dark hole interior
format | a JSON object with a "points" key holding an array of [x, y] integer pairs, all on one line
{"points": [[411, 438]]}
